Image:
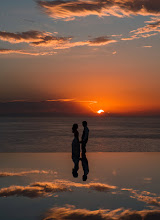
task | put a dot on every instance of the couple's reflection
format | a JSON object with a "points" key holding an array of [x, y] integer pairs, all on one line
{"points": [[76, 155], [84, 166]]}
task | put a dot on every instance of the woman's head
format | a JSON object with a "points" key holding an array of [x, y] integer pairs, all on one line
{"points": [[74, 127]]}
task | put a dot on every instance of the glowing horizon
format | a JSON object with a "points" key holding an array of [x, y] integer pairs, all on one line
{"points": [[79, 58], [100, 111]]}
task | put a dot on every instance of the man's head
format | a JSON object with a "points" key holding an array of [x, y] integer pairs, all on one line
{"points": [[84, 123]]}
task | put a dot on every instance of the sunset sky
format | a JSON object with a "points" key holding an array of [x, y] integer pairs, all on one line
{"points": [[80, 56]]}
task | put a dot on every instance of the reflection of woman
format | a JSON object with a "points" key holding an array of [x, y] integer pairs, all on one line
{"points": [[75, 150]]}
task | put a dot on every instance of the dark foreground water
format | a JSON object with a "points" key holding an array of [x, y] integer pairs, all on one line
{"points": [[51, 134], [40, 186]]}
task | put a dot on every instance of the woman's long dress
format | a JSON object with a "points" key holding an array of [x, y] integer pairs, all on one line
{"points": [[75, 148]]}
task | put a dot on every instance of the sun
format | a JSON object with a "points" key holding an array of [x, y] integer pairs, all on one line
{"points": [[100, 111]]}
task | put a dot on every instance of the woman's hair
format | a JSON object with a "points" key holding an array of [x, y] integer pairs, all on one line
{"points": [[74, 127]]}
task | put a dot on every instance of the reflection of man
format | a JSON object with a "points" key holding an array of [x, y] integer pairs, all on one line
{"points": [[84, 137], [85, 167]]}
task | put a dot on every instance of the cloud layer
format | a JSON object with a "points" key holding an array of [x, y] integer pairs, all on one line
{"points": [[151, 29], [68, 10], [9, 51], [33, 37], [33, 190], [48, 107], [93, 186], [20, 37], [70, 212], [40, 189], [99, 41], [45, 39], [144, 196], [5, 174]]}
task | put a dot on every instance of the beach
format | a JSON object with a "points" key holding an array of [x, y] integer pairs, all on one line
{"points": [[41, 186]]}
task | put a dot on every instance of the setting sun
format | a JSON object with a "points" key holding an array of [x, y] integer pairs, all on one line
{"points": [[100, 111]]}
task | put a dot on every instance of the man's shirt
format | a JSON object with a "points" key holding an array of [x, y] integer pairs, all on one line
{"points": [[85, 134]]}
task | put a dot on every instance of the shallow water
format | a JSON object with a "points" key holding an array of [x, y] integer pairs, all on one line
{"points": [[126, 184], [53, 134]]}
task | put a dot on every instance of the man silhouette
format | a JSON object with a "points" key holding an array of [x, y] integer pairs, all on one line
{"points": [[84, 137]]}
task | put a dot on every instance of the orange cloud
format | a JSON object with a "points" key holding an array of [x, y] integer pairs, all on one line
{"points": [[70, 212], [147, 197], [151, 29], [5, 174], [68, 10], [147, 46], [9, 51], [34, 190], [33, 37], [139, 36], [99, 41], [65, 44], [94, 186], [60, 100], [48, 41], [40, 189], [28, 36], [45, 39], [153, 26], [144, 196]]}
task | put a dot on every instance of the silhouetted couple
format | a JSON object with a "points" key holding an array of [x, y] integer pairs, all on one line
{"points": [[76, 150]]}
